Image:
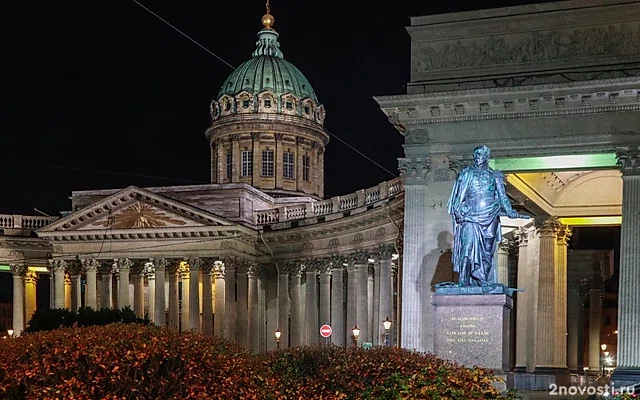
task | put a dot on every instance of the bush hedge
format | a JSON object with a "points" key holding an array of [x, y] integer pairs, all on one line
{"points": [[133, 361], [50, 319]]}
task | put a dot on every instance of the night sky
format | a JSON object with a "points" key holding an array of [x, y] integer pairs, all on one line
{"points": [[102, 94]]}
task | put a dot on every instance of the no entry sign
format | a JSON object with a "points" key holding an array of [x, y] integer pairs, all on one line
{"points": [[325, 331]]}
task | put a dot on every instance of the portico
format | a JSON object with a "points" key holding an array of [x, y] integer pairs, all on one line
{"points": [[567, 139]]}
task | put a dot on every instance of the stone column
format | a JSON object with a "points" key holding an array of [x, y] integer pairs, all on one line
{"points": [[30, 301], [424, 222], [105, 269], [67, 291], [90, 266], [574, 326], [159, 266], [385, 252], [242, 303], [362, 305], [503, 262], [74, 267], [137, 270], [551, 308], [352, 299], [337, 301], [278, 160], [374, 302], [194, 294], [297, 319], [173, 273], [524, 304], [18, 270], [124, 266], [229, 265], [150, 273], [58, 266], [235, 156], [370, 315], [595, 313], [220, 322], [283, 302], [628, 351], [324, 314], [312, 329], [184, 297], [207, 297], [52, 288], [221, 160], [253, 325]]}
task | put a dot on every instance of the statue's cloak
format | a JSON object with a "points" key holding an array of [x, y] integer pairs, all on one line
{"points": [[478, 234]]}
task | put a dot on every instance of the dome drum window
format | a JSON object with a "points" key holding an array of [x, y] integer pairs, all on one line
{"points": [[246, 103], [267, 103]]}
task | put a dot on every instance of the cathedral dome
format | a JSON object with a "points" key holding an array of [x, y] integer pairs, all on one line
{"points": [[267, 70], [267, 83], [267, 125]]}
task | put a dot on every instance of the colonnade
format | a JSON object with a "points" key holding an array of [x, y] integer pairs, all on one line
{"points": [[231, 297]]}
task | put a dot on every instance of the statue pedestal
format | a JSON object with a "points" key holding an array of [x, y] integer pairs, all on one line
{"points": [[473, 330]]}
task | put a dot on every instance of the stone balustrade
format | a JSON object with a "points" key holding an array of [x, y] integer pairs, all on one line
{"points": [[334, 205], [27, 222]]}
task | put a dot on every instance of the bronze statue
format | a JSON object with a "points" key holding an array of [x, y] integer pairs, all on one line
{"points": [[477, 201]]}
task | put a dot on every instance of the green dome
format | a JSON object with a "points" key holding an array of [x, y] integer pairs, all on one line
{"points": [[268, 70]]}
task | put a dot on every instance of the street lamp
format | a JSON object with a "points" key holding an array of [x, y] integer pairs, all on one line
{"points": [[356, 333], [387, 325], [604, 348], [10, 332], [278, 333]]}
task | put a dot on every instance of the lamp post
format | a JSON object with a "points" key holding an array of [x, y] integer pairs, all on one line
{"points": [[10, 332], [604, 363], [356, 333], [278, 333], [604, 348], [387, 326]]}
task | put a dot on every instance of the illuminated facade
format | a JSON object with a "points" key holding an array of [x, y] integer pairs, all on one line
{"points": [[553, 90], [257, 250]]}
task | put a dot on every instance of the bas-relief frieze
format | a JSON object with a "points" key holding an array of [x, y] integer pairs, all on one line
{"points": [[540, 47]]}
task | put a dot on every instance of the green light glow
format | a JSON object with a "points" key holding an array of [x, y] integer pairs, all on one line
{"points": [[34, 269], [591, 221], [554, 163]]}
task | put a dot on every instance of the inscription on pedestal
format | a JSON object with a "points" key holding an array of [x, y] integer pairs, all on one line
{"points": [[469, 330], [473, 330]]}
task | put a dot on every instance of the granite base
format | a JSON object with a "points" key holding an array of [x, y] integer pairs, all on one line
{"points": [[473, 330]]}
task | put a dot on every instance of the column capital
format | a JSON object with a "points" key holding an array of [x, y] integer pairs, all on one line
{"points": [[628, 158], [360, 257], [337, 261], [137, 266], [18, 269], [159, 263], [241, 265], [252, 270], [324, 266], [218, 270], [150, 270], [74, 267], [293, 268], [414, 168], [124, 264], [547, 226], [207, 264], [183, 270], [172, 266], [385, 251], [30, 277], [563, 235], [105, 267], [90, 264], [57, 265], [194, 263]]}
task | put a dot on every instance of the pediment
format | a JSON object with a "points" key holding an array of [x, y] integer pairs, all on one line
{"points": [[136, 209]]}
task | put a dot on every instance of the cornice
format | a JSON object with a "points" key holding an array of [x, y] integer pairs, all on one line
{"points": [[215, 233], [596, 86]]}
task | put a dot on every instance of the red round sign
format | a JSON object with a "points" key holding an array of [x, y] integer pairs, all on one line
{"points": [[325, 331]]}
